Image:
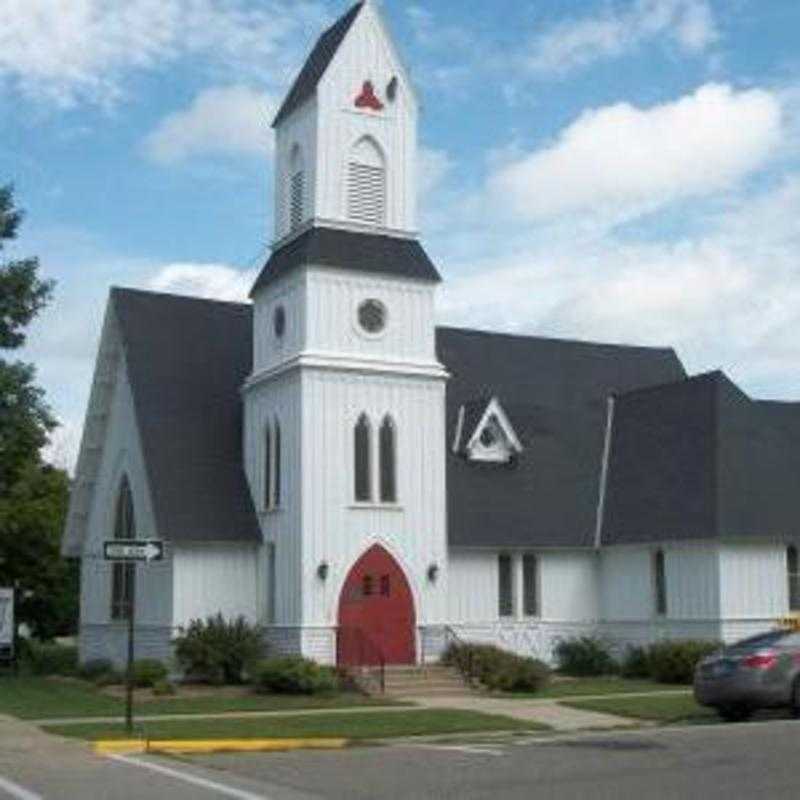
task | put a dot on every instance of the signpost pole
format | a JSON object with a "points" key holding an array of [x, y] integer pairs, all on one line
{"points": [[129, 674]]}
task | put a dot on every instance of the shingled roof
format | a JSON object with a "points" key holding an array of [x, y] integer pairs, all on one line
{"points": [[555, 392], [305, 84], [698, 459], [363, 252], [187, 360]]}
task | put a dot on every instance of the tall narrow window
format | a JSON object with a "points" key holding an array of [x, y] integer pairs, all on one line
{"points": [[660, 583], [530, 585], [296, 188], [267, 488], [366, 183], [505, 586], [123, 575], [793, 569], [388, 461], [272, 592], [276, 496], [363, 483]]}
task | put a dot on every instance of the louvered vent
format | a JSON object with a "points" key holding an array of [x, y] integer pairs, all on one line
{"points": [[296, 200], [366, 199]]}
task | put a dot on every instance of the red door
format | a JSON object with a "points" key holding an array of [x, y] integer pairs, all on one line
{"points": [[376, 613]]}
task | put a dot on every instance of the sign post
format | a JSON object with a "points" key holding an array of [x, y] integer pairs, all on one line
{"points": [[132, 551], [8, 627]]}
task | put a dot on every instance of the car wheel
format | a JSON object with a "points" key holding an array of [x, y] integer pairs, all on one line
{"points": [[735, 713], [796, 698]]}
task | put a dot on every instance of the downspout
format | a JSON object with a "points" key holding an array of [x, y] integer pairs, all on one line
{"points": [[601, 499]]}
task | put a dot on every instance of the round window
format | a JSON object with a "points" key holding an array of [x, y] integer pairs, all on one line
{"points": [[372, 316], [279, 321]]}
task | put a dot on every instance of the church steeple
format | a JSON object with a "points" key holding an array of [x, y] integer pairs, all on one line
{"points": [[346, 135]]}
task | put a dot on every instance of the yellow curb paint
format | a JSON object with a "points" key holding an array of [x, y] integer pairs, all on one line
{"points": [[115, 747]]}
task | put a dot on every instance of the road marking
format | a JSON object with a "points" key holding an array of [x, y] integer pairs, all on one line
{"points": [[228, 791], [17, 791], [469, 749]]}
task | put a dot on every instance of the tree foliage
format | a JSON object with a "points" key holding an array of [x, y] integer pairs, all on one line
{"points": [[33, 495]]}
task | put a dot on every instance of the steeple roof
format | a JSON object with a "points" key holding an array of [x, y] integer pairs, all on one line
{"points": [[325, 49]]}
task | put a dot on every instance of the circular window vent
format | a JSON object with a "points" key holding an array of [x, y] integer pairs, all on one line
{"points": [[372, 316]]}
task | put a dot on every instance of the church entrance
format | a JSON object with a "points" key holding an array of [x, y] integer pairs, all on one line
{"points": [[376, 613]]}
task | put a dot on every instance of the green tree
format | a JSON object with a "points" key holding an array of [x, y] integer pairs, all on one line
{"points": [[33, 495]]}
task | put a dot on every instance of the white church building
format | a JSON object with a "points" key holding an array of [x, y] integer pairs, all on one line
{"points": [[329, 463]]}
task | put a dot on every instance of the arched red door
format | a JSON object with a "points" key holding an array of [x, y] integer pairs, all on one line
{"points": [[376, 612]]}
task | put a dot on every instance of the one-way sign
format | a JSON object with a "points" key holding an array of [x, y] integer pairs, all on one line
{"points": [[133, 550]]}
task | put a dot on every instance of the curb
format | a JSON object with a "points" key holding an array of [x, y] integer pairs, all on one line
{"points": [[189, 746]]}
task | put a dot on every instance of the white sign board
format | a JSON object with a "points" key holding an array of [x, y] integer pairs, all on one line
{"points": [[133, 550], [6, 623]]}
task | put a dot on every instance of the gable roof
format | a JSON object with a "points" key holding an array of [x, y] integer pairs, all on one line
{"points": [[364, 252], [305, 84], [555, 392], [187, 359], [699, 459]]}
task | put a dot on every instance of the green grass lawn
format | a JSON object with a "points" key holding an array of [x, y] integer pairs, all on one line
{"points": [[668, 709], [595, 686], [28, 697], [375, 725]]}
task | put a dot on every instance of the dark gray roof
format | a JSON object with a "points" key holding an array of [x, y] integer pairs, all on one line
{"points": [[699, 459], [187, 359], [555, 394], [305, 84], [364, 252]]}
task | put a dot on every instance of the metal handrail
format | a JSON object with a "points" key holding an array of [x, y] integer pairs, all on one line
{"points": [[369, 653], [451, 637]]}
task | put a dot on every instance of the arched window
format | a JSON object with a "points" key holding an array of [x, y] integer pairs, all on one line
{"points": [[366, 183], [123, 574], [660, 583], [276, 495], [362, 437], [388, 460], [267, 488], [793, 571], [296, 188]]}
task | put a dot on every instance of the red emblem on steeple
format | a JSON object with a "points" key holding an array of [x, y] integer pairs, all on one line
{"points": [[367, 98]]}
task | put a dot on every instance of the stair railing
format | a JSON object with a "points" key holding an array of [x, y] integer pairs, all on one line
{"points": [[356, 649]]}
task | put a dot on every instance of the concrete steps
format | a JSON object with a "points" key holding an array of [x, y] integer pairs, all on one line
{"points": [[431, 680]]}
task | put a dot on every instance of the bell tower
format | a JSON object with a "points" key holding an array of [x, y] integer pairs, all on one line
{"points": [[346, 135]]}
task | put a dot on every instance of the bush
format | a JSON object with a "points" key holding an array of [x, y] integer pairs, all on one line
{"points": [[218, 651], [674, 661], [636, 663], [497, 669], [294, 675], [163, 687], [50, 658], [110, 678], [147, 672], [92, 669], [585, 656]]}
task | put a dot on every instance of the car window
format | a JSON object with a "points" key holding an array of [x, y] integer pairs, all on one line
{"points": [[791, 640], [761, 640]]}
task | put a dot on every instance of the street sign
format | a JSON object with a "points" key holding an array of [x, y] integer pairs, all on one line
{"points": [[6, 624], [133, 550]]}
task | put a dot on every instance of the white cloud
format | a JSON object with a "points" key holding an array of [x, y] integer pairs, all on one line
{"points": [[574, 43], [232, 120], [213, 281], [83, 50], [433, 166], [620, 160]]}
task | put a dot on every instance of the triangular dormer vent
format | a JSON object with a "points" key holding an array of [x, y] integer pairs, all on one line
{"points": [[492, 438]]}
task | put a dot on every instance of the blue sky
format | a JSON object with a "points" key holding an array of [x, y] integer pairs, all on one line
{"points": [[622, 171]]}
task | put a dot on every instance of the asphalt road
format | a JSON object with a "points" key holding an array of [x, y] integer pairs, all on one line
{"points": [[725, 761]]}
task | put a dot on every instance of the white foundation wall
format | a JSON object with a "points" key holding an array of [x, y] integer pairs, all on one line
{"points": [[215, 578], [100, 636], [337, 530]]}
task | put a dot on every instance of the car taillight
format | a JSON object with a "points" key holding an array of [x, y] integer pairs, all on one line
{"points": [[766, 659]]}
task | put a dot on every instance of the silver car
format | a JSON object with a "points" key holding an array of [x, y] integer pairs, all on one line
{"points": [[760, 672]]}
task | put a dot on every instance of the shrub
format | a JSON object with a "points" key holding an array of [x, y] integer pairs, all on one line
{"points": [[216, 650], [110, 678], [636, 663], [50, 658], [294, 675], [674, 661], [497, 669], [92, 669], [147, 672], [585, 656], [163, 687]]}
